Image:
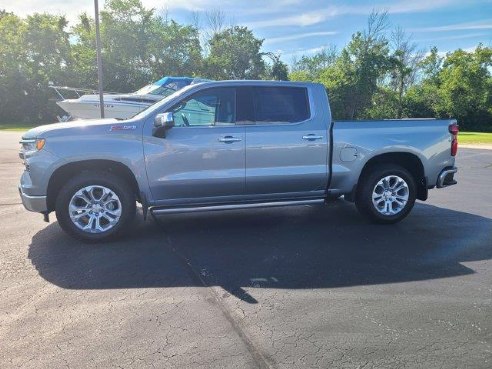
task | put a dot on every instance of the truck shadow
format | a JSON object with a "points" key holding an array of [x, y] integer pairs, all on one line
{"points": [[288, 248]]}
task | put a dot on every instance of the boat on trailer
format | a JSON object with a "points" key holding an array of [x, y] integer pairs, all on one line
{"points": [[86, 105]]}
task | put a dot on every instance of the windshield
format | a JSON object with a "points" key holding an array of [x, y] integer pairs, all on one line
{"points": [[155, 90], [162, 102]]}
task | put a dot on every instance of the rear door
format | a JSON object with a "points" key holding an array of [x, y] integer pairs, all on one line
{"points": [[286, 143]]}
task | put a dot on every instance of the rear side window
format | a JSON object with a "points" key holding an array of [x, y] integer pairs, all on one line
{"points": [[280, 104]]}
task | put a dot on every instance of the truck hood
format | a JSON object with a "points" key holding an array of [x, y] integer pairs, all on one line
{"points": [[81, 126]]}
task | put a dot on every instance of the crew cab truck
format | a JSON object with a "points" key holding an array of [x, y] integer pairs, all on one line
{"points": [[231, 145]]}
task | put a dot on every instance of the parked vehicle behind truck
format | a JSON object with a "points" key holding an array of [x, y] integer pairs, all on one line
{"points": [[231, 145]]}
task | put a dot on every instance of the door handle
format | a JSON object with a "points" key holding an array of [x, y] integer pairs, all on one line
{"points": [[229, 139], [312, 137]]}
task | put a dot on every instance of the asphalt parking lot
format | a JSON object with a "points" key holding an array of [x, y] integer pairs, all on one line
{"points": [[302, 287]]}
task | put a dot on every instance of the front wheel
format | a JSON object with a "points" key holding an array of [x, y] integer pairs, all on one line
{"points": [[386, 194], [95, 206]]}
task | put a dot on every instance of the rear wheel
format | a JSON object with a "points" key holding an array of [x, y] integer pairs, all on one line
{"points": [[95, 206], [386, 194]]}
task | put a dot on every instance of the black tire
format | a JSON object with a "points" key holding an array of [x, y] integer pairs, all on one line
{"points": [[367, 184], [96, 178]]}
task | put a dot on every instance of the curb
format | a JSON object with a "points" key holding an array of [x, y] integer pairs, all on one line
{"points": [[476, 146]]}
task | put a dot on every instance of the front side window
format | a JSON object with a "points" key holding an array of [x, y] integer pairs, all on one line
{"points": [[280, 104], [215, 106]]}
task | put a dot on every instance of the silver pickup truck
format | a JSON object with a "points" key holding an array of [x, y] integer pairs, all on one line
{"points": [[231, 145]]}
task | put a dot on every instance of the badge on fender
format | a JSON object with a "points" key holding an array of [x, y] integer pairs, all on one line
{"points": [[121, 127]]}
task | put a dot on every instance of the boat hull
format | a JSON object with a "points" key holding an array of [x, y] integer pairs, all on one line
{"points": [[91, 109]]}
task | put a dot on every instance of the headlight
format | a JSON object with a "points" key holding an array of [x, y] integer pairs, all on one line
{"points": [[32, 145]]}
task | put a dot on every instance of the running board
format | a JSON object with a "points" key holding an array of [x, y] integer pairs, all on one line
{"points": [[195, 209]]}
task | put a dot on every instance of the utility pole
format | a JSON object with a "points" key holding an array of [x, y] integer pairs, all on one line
{"points": [[99, 60]]}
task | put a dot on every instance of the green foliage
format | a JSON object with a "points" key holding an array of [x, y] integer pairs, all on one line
{"points": [[373, 76], [32, 50], [234, 54], [384, 104], [465, 88], [300, 76], [405, 60], [278, 70], [312, 66], [353, 79], [137, 47], [458, 86], [12, 94]]}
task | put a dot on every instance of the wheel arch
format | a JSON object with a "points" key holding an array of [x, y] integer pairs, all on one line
{"points": [[63, 173], [407, 160]]}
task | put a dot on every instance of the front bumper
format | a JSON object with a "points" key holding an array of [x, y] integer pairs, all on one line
{"points": [[446, 177], [37, 204]]}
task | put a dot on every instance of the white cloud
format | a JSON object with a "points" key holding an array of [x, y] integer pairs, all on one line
{"points": [[71, 8], [299, 36], [304, 19], [484, 24], [326, 12], [310, 51], [58, 7], [416, 6], [455, 37]]}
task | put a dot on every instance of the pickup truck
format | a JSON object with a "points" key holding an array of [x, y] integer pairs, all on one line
{"points": [[231, 145]]}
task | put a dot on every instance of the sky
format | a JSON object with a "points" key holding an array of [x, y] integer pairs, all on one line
{"points": [[302, 27]]}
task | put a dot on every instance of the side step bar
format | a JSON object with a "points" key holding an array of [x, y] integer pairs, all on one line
{"points": [[194, 209]]}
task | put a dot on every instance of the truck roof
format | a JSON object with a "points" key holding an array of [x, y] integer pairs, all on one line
{"points": [[253, 82]]}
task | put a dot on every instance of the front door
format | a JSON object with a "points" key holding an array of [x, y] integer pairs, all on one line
{"points": [[202, 158]]}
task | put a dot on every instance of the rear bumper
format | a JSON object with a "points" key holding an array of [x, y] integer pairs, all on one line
{"points": [[446, 177], [33, 203]]}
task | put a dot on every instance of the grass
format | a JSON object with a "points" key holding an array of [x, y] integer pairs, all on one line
{"points": [[19, 127], [475, 138]]}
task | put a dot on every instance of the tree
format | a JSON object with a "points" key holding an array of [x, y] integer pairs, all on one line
{"points": [[12, 53], [278, 71], [176, 51], [405, 62], [423, 99], [455, 86], [431, 66], [353, 79], [234, 54], [137, 47], [33, 51], [465, 86], [312, 66]]}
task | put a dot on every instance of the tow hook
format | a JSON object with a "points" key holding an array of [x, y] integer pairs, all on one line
{"points": [[46, 217]]}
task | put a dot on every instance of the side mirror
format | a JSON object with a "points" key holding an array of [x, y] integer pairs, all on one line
{"points": [[162, 123]]}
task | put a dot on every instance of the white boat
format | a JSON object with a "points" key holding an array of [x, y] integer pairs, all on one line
{"points": [[119, 106]]}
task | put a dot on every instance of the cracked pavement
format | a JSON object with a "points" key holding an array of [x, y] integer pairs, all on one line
{"points": [[301, 287]]}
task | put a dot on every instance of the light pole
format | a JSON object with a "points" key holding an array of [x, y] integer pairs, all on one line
{"points": [[99, 60]]}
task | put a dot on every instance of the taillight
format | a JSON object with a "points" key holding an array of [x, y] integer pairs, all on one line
{"points": [[454, 130]]}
